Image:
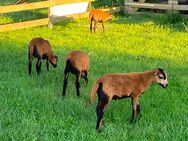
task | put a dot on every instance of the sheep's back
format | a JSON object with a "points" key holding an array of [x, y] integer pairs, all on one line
{"points": [[79, 60], [43, 46], [119, 84]]}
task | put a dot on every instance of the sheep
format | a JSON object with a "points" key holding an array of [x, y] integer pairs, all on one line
{"points": [[41, 49], [98, 16], [77, 62], [117, 86]]}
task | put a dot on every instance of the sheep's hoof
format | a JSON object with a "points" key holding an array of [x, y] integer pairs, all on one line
{"points": [[132, 121], [63, 97], [98, 130]]}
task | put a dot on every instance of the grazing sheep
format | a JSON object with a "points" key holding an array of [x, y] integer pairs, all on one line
{"points": [[41, 49], [77, 62], [98, 16], [117, 86]]}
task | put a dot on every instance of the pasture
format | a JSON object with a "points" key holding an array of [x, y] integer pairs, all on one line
{"points": [[31, 107]]}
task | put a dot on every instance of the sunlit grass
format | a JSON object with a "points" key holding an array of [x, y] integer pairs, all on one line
{"points": [[31, 107]]}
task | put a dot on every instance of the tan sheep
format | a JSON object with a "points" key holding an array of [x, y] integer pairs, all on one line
{"points": [[98, 16], [117, 86], [41, 49], [77, 62]]}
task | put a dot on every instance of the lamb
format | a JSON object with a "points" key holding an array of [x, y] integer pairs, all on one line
{"points": [[77, 62], [117, 86], [41, 49], [98, 16]]}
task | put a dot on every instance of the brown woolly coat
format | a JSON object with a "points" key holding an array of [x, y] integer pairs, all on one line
{"points": [[79, 60], [43, 48], [99, 16], [124, 85]]}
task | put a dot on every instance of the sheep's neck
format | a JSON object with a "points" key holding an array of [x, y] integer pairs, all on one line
{"points": [[50, 54], [148, 78]]}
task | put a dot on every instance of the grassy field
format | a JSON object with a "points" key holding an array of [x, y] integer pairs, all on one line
{"points": [[31, 107]]}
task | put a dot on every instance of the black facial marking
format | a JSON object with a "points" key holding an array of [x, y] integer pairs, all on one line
{"points": [[161, 71], [162, 85]]}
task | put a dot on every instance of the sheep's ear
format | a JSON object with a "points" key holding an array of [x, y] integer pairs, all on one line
{"points": [[155, 73]]}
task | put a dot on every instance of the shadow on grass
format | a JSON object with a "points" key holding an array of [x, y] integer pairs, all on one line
{"points": [[172, 20]]}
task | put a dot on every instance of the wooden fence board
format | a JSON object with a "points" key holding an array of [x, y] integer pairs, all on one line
{"points": [[180, 7], [14, 26], [149, 5], [37, 5]]}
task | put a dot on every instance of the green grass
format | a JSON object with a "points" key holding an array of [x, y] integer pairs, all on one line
{"points": [[31, 107]]}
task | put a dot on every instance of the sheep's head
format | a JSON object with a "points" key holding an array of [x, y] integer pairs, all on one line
{"points": [[109, 17], [161, 77], [53, 60]]}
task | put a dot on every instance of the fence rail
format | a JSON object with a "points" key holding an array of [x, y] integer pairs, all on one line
{"points": [[149, 5], [21, 25], [45, 21], [131, 6], [37, 5]]}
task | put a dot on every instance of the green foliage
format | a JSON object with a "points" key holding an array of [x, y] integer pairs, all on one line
{"points": [[172, 17], [31, 107], [107, 3]]}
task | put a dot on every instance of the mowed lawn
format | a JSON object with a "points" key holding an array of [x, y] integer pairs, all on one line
{"points": [[31, 107]]}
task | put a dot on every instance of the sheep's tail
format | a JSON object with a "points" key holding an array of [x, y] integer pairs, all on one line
{"points": [[30, 52], [94, 92]]}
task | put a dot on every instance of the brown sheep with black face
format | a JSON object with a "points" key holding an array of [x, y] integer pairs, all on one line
{"points": [[41, 49], [98, 16], [77, 62], [117, 86]]}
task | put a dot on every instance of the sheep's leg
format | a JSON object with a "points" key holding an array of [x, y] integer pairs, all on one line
{"points": [[101, 107], [47, 65], [138, 111], [95, 26], [30, 66], [103, 26], [100, 113], [134, 109], [85, 77], [30, 57], [138, 108], [77, 84], [98, 107], [66, 73], [91, 26], [38, 65]]}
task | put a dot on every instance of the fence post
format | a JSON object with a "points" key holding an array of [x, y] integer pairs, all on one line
{"points": [[128, 9], [172, 2], [50, 14]]}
